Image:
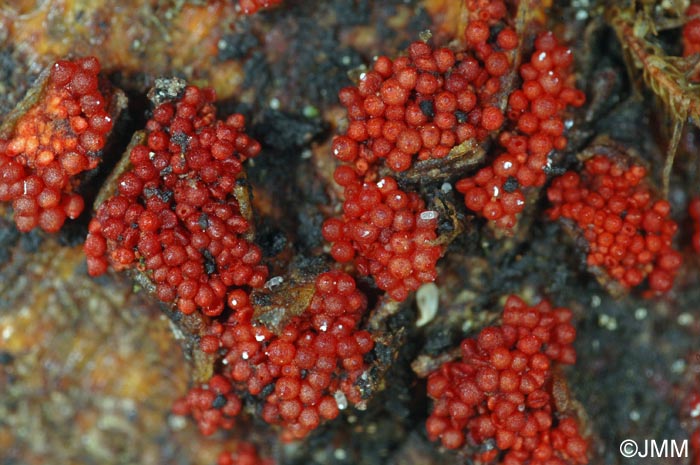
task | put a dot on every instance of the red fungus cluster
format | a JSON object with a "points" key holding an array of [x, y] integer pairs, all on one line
{"points": [[213, 405], [245, 454], [415, 107], [694, 212], [249, 7], [317, 358], [387, 231], [535, 111], [501, 390], [487, 11], [421, 105], [628, 231], [691, 31], [174, 216], [306, 373], [58, 138]]}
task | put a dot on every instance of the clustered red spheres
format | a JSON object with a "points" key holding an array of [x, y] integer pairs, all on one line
{"points": [[387, 231], [487, 11], [213, 405], [317, 358], [628, 231], [249, 7], [415, 107], [245, 454], [501, 390], [174, 216], [535, 116], [53, 142], [420, 106], [306, 374], [694, 212], [691, 31]]}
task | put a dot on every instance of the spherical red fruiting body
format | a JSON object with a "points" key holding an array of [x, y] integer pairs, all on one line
{"points": [[694, 212], [245, 454], [691, 31], [249, 7], [695, 446]]}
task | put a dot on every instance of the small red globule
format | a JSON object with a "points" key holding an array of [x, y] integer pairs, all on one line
{"points": [[691, 30], [245, 454], [249, 7], [694, 213], [695, 447]]}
